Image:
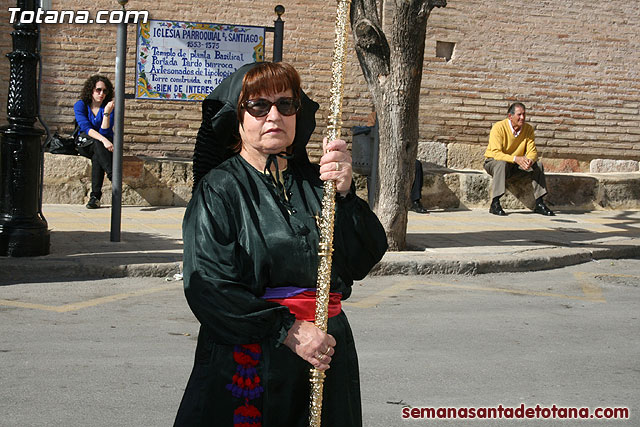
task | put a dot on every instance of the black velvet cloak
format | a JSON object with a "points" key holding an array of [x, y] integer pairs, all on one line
{"points": [[241, 235]]}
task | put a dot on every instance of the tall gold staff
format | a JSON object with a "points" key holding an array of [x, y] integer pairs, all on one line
{"points": [[325, 250]]}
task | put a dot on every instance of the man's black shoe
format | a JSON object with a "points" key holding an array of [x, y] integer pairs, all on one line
{"points": [[542, 209], [417, 207], [496, 209], [94, 203]]}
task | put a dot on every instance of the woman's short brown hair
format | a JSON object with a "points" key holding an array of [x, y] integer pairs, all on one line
{"points": [[268, 78]]}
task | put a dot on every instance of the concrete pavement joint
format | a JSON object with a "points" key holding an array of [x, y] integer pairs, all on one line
{"points": [[592, 293], [85, 304], [589, 298]]}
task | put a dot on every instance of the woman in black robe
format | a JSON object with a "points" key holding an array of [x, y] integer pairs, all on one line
{"points": [[251, 258]]}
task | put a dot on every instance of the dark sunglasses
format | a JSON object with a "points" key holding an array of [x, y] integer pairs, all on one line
{"points": [[261, 107], [100, 90]]}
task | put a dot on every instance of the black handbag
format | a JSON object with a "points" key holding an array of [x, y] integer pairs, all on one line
{"points": [[57, 144], [83, 140], [83, 143]]}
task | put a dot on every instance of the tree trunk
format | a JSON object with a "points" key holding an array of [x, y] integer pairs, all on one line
{"points": [[394, 72]]}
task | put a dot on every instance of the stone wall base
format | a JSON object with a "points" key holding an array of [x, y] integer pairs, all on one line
{"points": [[471, 156], [462, 189], [146, 181], [151, 181]]}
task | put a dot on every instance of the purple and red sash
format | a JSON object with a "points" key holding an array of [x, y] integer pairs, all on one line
{"points": [[246, 382]]}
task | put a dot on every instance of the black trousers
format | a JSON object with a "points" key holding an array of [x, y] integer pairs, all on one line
{"points": [[416, 188], [101, 163]]}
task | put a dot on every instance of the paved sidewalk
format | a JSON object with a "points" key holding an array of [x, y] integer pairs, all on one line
{"points": [[463, 242], [475, 241]]}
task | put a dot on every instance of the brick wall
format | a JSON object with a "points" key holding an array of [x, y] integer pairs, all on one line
{"points": [[574, 63]]}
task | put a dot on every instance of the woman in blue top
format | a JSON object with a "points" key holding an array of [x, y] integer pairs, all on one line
{"points": [[94, 115]]}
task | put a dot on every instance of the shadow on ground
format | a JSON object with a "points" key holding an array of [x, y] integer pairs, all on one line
{"points": [[567, 232], [82, 255]]}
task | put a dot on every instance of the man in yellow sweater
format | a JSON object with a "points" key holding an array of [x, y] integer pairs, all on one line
{"points": [[512, 152]]}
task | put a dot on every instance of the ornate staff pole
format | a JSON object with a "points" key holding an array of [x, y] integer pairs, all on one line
{"points": [[325, 251]]}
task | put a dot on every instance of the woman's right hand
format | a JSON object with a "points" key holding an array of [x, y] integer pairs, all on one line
{"points": [[109, 107], [310, 343], [107, 144]]}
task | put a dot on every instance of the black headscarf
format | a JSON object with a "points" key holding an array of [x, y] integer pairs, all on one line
{"points": [[219, 129]]}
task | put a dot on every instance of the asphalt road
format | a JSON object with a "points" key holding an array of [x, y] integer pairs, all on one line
{"points": [[118, 352]]}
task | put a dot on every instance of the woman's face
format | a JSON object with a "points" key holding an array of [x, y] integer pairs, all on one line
{"points": [[99, 92], [269, 134]]}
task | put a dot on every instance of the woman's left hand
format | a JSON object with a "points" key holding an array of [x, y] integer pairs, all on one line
{"points": [[335, 164]]}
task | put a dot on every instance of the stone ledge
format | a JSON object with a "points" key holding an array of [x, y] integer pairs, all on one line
{"points": [[609, 165], [461, 189], [149, 181], [146, 181]]}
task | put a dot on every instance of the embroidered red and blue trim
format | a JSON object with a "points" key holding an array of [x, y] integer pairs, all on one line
{"points": [[246, 384]]}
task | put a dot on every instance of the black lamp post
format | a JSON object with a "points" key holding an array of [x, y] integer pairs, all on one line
{"points": [[278, 34], [23, 229]]}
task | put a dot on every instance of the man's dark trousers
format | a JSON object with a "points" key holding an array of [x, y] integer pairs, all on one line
{"points": [[416, 187], [501, 171]]}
